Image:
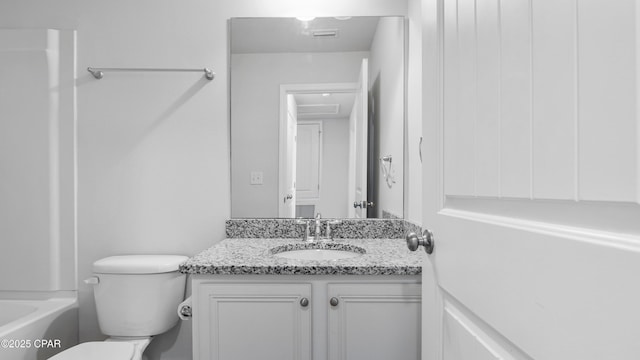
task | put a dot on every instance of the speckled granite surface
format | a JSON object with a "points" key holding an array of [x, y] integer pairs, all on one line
{"points": [[288, 228], [253, 256], [389, 215], [412, 227]]}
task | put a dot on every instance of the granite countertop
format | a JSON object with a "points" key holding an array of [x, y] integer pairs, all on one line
{"points": [[239, 256]]}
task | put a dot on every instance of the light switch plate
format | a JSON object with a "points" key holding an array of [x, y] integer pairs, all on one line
{"points": [[257, 177]]}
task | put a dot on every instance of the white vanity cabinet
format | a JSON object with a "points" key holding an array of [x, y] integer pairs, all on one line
{"points": [[319, 317]]}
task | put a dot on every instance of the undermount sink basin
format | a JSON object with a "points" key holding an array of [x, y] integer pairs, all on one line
{"points": [[317, 251], [317, 254]]}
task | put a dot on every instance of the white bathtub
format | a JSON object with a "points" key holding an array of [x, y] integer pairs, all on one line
{"points": [[37, 329]]}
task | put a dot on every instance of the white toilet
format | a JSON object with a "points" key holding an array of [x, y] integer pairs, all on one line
{"points": [[137, 297]]}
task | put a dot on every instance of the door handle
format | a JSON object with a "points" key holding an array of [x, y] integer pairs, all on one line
{"points": [[288, 197], [363, 204], [414, 241]]}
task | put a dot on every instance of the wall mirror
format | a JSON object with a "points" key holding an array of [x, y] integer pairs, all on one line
{"points": [[317, 117]]}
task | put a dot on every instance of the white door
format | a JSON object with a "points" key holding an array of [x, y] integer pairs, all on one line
{"points": [[351, 175], [308, 162], [287, 208], [358, 138], [531, 172]]}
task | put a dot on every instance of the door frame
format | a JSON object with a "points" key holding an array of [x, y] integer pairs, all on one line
{"points": [[432, 18], [286, 89]]}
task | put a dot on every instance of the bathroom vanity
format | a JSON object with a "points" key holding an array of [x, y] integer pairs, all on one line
{"points": [[249, 303]]}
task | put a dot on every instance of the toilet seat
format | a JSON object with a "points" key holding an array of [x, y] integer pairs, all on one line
{"points": [[98, 350]]}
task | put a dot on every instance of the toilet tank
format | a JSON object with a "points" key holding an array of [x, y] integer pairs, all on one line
{"points": [[138, 295]]}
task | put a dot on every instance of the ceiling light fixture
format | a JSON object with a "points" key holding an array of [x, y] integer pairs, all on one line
{"points": [[342, 17], [305, 18]]}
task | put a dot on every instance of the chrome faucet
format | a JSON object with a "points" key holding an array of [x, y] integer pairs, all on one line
{"points": [[316, 235], [300, 221]]}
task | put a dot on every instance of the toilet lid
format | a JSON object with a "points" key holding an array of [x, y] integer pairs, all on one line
{"points": [[97, 350]]}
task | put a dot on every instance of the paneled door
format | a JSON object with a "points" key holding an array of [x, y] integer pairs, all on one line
{"points": [[358, 140], [287, 186], [531, 179], [308, 162]]}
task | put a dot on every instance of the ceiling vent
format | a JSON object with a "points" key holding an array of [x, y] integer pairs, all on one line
{"points": [[318, 109], [325, 33]]}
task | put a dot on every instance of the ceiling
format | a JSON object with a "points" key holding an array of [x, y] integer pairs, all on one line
{"points": [[277, 35]]}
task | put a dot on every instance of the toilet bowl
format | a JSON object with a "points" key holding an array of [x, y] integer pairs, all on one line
{"points": [[136, 298]]}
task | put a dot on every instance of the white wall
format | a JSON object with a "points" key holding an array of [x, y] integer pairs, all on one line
{"points": [[386, 74], [153, 148], [255, 109]]}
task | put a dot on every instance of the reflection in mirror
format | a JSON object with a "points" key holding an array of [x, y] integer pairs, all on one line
{"points": [[317, 117]]}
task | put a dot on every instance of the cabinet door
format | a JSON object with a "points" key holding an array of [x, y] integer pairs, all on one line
{"points": [[253, 321], [374, 321]]}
